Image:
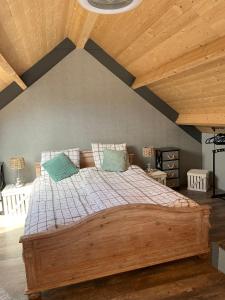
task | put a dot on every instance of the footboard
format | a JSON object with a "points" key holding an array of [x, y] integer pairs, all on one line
{"points": [[115, 240]]}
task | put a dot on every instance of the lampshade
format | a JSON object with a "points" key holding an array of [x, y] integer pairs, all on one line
{"points": [[148, 151], [17, 163]]}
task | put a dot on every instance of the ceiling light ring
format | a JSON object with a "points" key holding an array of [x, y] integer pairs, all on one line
{"points": [[86, 4]]}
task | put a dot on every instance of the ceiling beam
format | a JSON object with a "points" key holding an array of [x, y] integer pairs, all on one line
{"points": [[205, 129], [7, 73], [86, 29], [190, 60], [209, 119]]}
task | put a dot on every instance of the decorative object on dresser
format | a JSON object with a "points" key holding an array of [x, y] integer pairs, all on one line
{"points": [[17, 163], [16, 199], [198, 180], [168, 160], [148, 151], [158, 175]]}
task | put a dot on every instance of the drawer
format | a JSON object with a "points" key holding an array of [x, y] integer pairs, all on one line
{"points": [[172, 173], [172, 183], [172, 155], [169, 165]]}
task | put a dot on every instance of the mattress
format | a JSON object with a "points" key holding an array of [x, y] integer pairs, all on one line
{"points": [[91, 190]]}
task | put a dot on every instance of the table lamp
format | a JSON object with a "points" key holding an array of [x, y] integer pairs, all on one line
{"points": [[17, 163], [148, 152]]}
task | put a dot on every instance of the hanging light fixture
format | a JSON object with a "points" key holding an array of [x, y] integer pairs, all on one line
{"points": [[109, 6]]}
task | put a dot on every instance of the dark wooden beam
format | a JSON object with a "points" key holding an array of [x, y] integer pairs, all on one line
{"points": [[48, 62], [9, 94]]}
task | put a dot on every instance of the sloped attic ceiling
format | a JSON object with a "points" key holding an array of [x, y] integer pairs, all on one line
{"points": [[175, 47]]}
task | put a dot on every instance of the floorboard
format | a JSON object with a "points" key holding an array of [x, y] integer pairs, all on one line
{"points": [[187, 279]]}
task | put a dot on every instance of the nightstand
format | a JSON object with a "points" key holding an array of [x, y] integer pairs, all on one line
{"points": [[16, 200], [158, 175]]}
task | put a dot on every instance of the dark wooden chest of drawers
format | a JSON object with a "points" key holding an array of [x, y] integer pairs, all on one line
{"points": [[168, 160]]}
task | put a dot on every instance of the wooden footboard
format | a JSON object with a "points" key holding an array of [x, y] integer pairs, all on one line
{"points": [[112, 241]]}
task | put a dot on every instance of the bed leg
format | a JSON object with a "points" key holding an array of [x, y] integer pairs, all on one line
{"points": [[36, 296]]}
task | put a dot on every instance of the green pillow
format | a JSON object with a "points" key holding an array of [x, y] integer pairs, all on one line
{"points": [[114, 160], [60, 167]]}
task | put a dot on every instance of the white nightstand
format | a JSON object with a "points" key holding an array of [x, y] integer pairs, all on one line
{"points": [[16, 200], [158, 175]]}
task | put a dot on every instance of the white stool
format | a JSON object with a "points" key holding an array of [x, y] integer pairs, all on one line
{"points": [[198, 180]]}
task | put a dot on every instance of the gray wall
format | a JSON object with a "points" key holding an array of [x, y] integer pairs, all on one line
{"points": [[80, 101], [207, 160]]}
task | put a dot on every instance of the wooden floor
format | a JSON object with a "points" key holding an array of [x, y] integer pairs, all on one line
{"points": [[191, 278]]}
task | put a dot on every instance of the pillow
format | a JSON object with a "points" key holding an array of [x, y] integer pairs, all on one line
{"points": [[98, 149], [114, 160], [73, 154], [60, 167]]}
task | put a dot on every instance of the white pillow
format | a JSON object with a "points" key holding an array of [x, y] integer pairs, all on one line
{"points": [[73, 154], [98, 149]]}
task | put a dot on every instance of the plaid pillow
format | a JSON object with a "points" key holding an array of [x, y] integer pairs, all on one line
{"points": [[98, 148], [73, 154]]}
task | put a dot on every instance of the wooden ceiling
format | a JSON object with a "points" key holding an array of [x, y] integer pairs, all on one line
{"points": [[175, 47]]}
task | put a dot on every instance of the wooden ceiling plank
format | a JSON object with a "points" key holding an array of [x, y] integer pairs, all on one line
{"points": [[69, 18], [190, 60], [86, 29], [156, 34], [61, 18], [42, 23], [74, 22], [19, 17], [192, 76], [80, 25], [191, 37], [210, 119], [8, 72], [12, 44], [116, 32]]}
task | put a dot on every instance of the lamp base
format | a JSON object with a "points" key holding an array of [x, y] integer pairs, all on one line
{"points": [[19, 183], [149, 168]]}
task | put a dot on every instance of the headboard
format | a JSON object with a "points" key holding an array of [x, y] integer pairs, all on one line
{"points": [[86, 160]]}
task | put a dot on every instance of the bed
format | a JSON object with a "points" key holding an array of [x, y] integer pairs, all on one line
{"points": [[99, 223]]}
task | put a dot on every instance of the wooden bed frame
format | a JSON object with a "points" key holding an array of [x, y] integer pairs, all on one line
{"points": [[112, 241]]}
